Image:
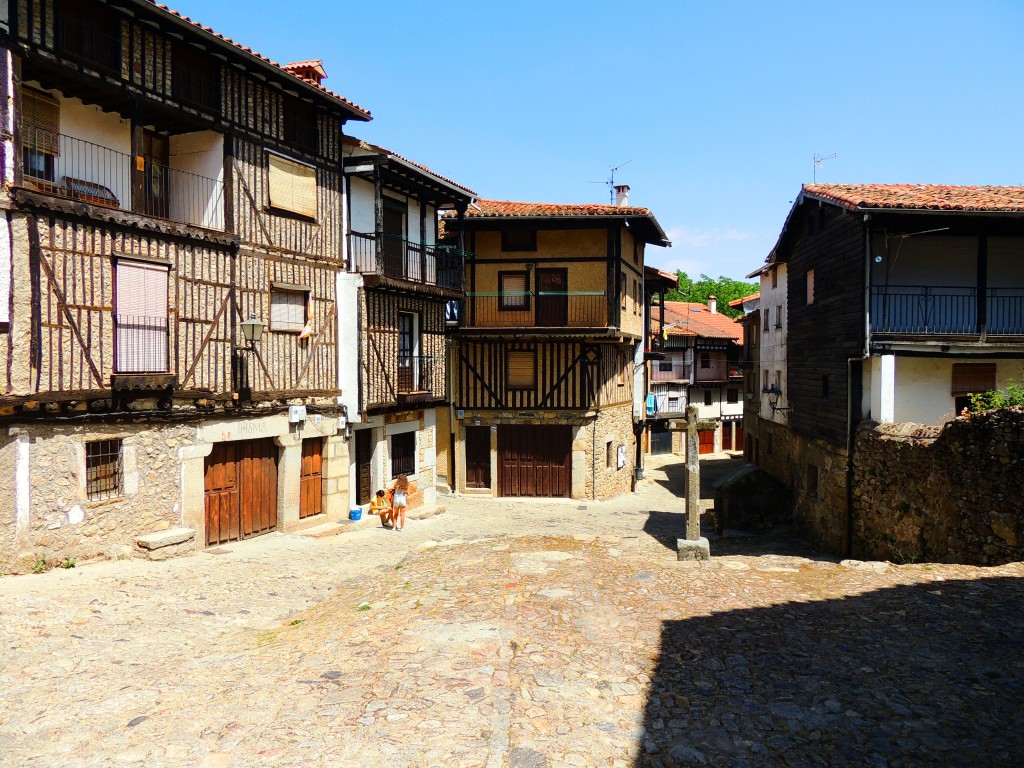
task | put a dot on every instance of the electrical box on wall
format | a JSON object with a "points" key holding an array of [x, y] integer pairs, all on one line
{"points": [[296, 413]]}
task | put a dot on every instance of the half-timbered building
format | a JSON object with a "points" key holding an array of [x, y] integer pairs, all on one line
{"points": [[550, 336], [166, 193], [396, 301]]}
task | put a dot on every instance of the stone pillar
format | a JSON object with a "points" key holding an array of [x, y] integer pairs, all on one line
{"points": [[193, 489], [693, 547], [336, 477], [887, 411], [289, 480]]}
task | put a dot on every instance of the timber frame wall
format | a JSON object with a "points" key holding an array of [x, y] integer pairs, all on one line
{"points": [[59, 341]]}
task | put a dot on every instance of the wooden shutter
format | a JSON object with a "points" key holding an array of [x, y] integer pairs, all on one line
{"points": [[292, 186], [522, 370], [287, 310], [971, 378], [40, 116], [141, 320]]}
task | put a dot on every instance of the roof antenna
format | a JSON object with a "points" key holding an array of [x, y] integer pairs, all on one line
{"points": [[610, 181], [819, 161]]}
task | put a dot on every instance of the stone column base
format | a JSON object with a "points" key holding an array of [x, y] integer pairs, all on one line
{"points": [[693, 549]]}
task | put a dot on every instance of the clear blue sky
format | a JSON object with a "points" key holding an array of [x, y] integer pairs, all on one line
{"points": [[719, 106]]}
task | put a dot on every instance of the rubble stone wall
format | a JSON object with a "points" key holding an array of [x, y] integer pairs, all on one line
{"points": [[941, 494]]}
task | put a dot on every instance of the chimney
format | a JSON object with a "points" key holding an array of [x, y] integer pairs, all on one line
{"points": [[713, 304], [621, 195], [311, 71]]}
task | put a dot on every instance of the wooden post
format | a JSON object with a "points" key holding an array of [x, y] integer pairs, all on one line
{"points": [[692, 475]]}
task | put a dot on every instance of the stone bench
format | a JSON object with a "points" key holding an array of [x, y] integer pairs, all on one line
{"points": [[174, 542]]}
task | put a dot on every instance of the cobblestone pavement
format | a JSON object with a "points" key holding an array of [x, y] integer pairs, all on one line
{"points": [[519, 634]]}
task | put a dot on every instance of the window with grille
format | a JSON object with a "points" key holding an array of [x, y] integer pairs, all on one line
{"points": [[403, 454], [141, 318], [104, 469], [522, 370], [287, 309], [292, 186], [513, 291]]}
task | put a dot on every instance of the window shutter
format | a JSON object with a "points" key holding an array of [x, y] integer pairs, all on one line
{"points": [[521, 370], [40, 116], [292, 186], [513, 290], [287, 310], [141, 321], [972, 378]]}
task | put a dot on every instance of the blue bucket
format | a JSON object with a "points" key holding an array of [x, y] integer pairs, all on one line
{"points": [[355, 514]]}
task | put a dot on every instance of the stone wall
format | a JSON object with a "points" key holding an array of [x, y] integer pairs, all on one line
{"points": [[817, 472], [613, 425], [54, 518], [943, 494]]}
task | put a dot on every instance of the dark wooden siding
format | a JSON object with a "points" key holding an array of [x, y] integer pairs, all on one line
{"points": [[824, 334]]}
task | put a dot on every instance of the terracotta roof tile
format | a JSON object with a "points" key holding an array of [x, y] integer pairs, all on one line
{"points": [[510, 208], [685, 318], [738, 302], [936, 197], [350, 104]]}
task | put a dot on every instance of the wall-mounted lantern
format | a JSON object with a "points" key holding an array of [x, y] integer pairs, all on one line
{"points": [[252, 330], [774, 393]]}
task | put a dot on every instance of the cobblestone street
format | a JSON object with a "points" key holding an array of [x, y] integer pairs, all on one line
{"points": [[520, 634]]}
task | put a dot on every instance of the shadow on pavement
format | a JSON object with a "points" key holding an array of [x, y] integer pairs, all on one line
{"points": [[911, 675]]}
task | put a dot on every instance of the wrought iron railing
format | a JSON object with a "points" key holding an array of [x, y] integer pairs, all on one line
{"points": [[1004, 311], [402, 259], [140, 344], [420, 375], [536, 309], [924, 309], [70, 167]]}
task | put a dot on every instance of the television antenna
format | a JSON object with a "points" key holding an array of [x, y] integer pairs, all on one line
{"points": [[610, 181], [819, 161]]}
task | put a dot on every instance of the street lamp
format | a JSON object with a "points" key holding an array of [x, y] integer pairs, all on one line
{"points": [[252, 330], [774, 393]]}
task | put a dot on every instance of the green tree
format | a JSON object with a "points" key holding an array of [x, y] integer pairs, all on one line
{"points": [[725, 289]]}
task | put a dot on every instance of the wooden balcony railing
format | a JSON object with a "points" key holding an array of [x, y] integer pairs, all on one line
{"points": [[670, 370], [946, 310], [396, 257], [536, 309], [715, 370], [69, 167]]}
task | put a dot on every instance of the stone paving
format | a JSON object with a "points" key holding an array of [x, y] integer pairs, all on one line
{"points": [[518, 634]]}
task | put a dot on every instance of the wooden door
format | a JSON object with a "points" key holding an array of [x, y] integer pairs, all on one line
{"points": [[707, 441], [727, 437], [737, 443], [364, 455], [241, 490], [311, 494], [661, 442], [535, 460], [478, 457], [552, 297]]}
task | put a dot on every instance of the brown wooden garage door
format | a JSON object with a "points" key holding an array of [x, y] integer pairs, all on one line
{"points": [[241, 490], [534, 460]]}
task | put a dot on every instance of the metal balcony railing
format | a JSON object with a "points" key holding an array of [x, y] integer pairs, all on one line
{"points": [[536, 309], [946, 310], [420, 375], [69, 167], [140, 344], [1004, 311], [396, 257]]}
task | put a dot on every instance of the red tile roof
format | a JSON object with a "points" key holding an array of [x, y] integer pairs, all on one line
{"points": [[738, 302], [935, 197], [509, 208], [361, 113], [685, 318], [354, 142]]}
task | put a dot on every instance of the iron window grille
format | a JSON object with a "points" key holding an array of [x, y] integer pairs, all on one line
{"points": [[403, 454], [104, 469]]}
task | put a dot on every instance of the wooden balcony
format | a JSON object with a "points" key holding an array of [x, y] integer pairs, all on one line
{"points": [[397, 258], [536, 310], [670, 370]]}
